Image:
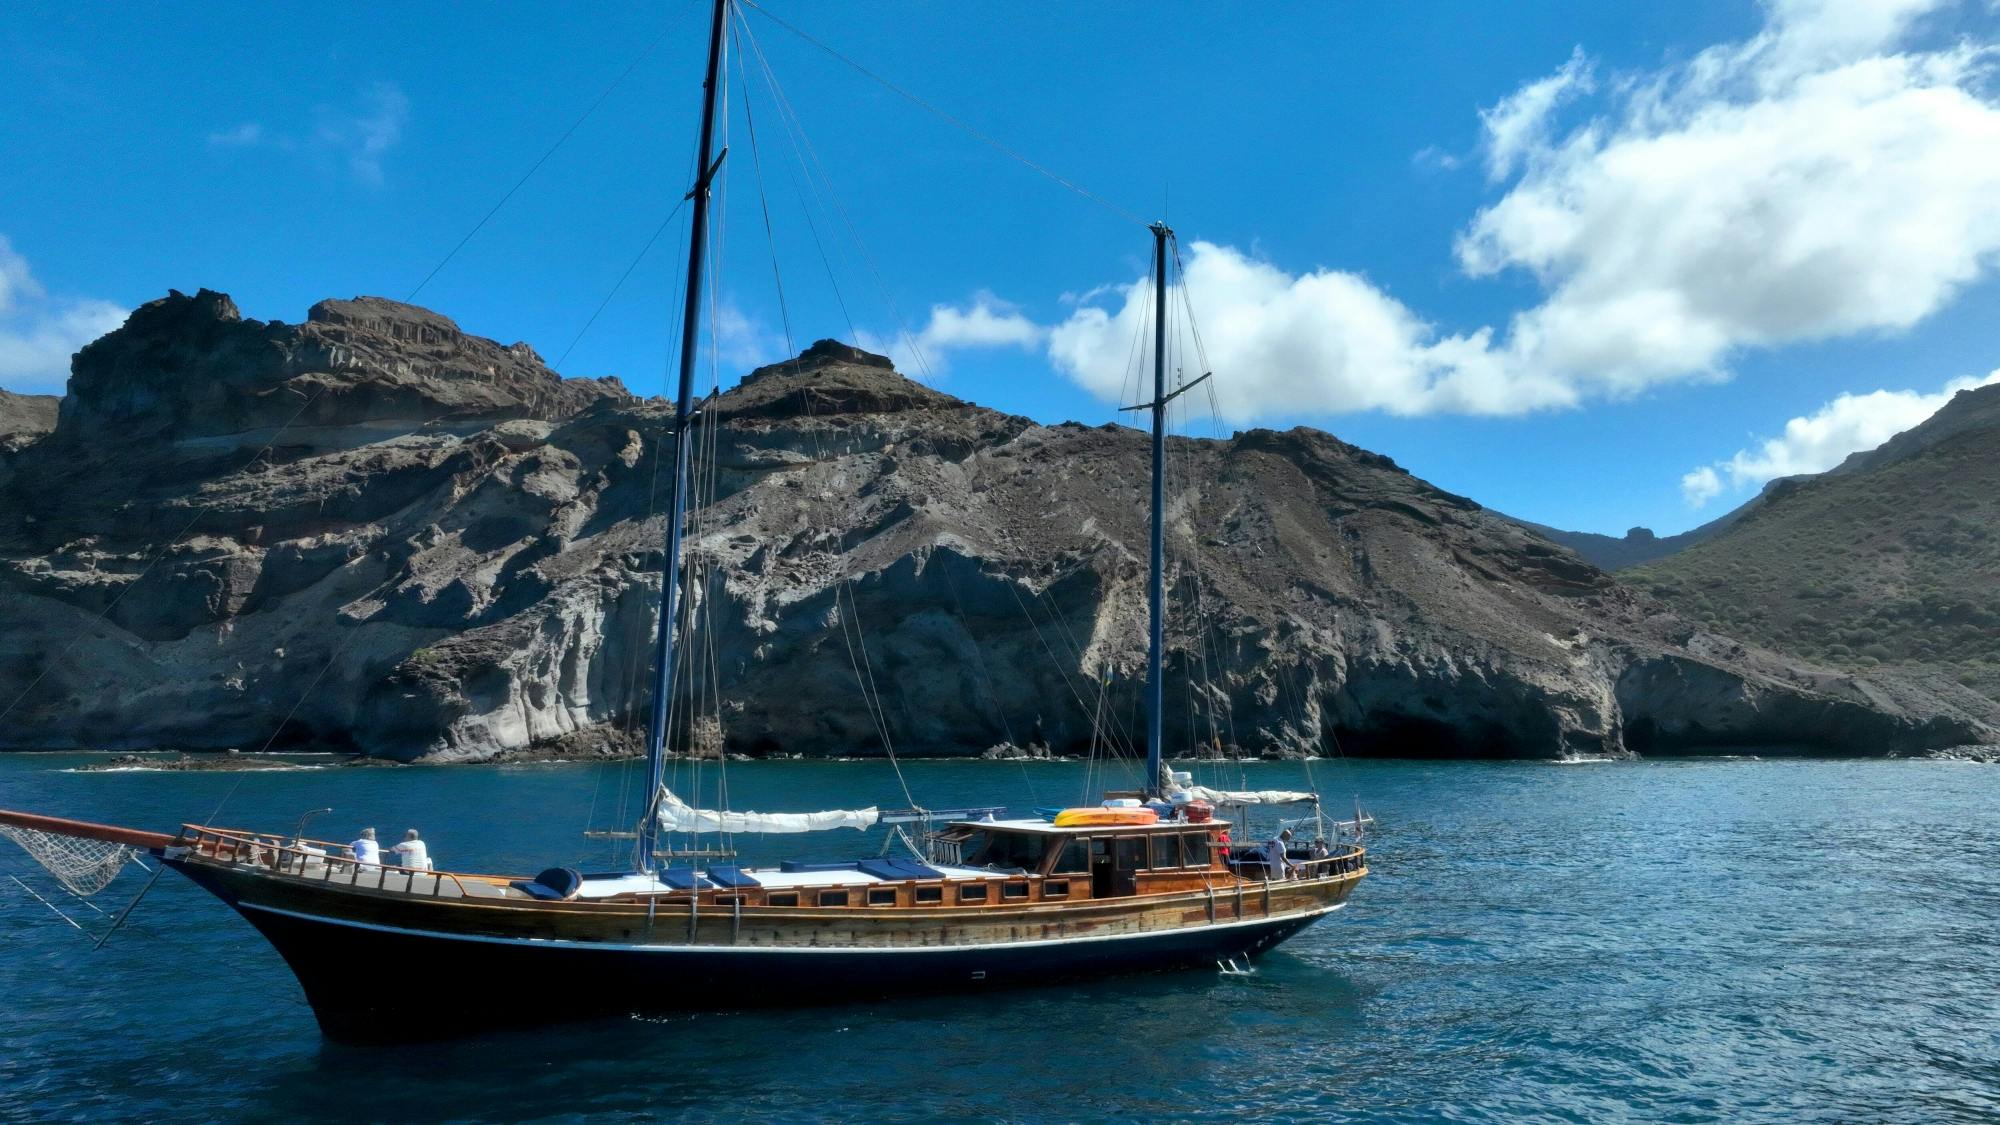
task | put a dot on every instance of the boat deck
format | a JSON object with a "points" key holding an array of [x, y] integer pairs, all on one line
{"points": [[1150, 861]]}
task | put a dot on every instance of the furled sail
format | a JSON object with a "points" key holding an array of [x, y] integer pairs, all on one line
{"points": [[1242, 796], [677, 815]]}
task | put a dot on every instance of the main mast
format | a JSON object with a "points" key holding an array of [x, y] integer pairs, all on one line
{"points": [[663, 684], [1156, 585]]}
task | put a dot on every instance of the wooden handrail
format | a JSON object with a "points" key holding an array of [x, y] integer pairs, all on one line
{"points": [[279, 863], [1349, 859]]}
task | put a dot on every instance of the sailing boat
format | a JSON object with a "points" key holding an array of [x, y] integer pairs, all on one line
{"points": [[1147, 880]]}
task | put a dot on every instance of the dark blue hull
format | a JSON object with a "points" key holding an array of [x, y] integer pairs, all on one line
{"points": [[371, 983]]}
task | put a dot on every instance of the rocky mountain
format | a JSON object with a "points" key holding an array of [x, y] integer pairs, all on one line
{"points": [[1887, 562], [25, 419], [1637, 546], [373, 530]]}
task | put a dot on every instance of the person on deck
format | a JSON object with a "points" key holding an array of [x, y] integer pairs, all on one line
{"points": [[412, 852], [1276, 866], [367, 852]]}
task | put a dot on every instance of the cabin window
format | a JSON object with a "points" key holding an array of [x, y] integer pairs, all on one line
{"points": [[1014, 890], [1055, 888], [1194, 849], [1006, 851], [1075, 858], [881, 896], [788, 898], [1166, 851], [728, 900], [1131, 853], [972, 892], [833, 898], [929, 895]]}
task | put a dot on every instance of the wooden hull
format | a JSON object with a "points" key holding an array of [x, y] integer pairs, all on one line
{"points": [[382, 967]]}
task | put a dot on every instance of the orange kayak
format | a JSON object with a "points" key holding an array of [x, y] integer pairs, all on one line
{"points": [[1104, 818]]}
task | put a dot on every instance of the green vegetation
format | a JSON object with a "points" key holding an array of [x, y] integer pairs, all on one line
{"points": [[1897, 564]]}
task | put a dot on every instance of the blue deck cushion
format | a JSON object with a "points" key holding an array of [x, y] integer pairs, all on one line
{"points": [[557, 884], [732, 877], [895, 867], [683, 879]]}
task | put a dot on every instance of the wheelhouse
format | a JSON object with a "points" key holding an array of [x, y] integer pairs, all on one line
{"points": [[1116, 860]]}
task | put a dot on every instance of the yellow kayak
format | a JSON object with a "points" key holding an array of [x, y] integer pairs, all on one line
{"points": [[1104, 818]]}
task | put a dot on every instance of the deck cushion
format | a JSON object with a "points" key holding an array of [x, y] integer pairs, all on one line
{"points": [[683, 879], [557, 884], [895, 867]]}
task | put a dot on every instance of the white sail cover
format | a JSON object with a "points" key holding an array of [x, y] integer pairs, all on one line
{"points": [[1243, 796], [677, 815]]}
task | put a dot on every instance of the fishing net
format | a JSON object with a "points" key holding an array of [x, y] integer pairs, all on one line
{"points": [[84, 866]]}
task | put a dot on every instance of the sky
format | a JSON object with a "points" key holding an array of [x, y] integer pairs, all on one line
{"points": [[1595, 265]]}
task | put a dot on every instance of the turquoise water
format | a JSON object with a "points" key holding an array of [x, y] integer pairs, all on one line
{"points": [[1668, 940]]}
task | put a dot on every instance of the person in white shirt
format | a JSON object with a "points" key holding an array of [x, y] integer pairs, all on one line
{"points": [[1276, 866], [412, 852], [367, 853]]}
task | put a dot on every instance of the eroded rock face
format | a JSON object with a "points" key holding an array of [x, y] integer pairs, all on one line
{"points": [[192, 370], [25, 419], [487, 585]]}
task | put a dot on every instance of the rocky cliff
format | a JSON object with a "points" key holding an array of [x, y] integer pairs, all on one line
{"points": [[1884, 565], [373, 530], [25, 419]]}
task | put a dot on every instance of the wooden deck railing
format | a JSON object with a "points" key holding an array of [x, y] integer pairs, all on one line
{"points": [[308, 859], [1345, 860]]}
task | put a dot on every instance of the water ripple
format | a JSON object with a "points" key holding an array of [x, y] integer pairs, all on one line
{"points": [[1672, 941]]}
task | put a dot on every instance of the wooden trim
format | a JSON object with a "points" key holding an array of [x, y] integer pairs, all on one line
{"points": [[83, 829]]}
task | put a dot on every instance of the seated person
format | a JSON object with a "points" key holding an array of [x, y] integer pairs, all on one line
{"points": [[367, 852], [412, 852]]}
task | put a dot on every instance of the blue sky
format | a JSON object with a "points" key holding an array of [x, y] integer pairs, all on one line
{"points": [[1592, 264]]}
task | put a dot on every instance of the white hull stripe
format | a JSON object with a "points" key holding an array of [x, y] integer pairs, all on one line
{"points": [[561, 943]]}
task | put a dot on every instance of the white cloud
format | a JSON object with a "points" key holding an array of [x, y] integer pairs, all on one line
{"points": [[1325, 341], [356, 139], [1809, 183], [242, 136], [363, 136], [1823, 439], [1519, 123], [39, 332], [1823, 178], [1804, 36], [1700, 486], [741, 342], [988, 322], [1431, 158]]}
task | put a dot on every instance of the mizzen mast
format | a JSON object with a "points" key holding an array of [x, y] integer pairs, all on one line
{"points": [[656, 732]]}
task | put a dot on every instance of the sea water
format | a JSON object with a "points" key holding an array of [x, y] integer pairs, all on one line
{"points": [[1663, 940]]}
